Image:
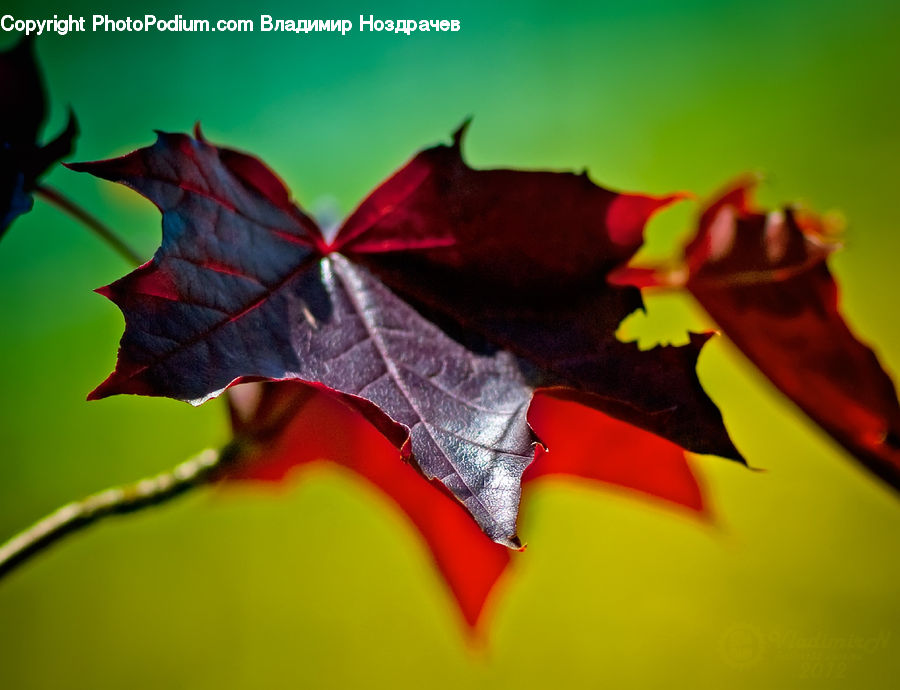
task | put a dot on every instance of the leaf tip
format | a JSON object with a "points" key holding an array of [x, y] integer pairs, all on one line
{"points": [[100, 391], [460, 133], [105, 291], [698, 340], [72, 129], [683, 195], [740, 194], [512, 542], [628, 214]]}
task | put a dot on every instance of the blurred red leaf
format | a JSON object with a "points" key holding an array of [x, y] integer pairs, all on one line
{"points": [[588, 444], [282, 427], [764, 278]]}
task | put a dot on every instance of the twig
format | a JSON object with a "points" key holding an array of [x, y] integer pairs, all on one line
{"points": [[115, 501], [65, 204], [198, 470]]}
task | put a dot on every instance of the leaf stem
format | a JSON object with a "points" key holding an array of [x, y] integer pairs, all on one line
{"points": [[64, 203], [77, 515]]}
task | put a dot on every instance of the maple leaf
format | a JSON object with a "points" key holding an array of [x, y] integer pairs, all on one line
{"points": [[522, 258], [437, 325], [22, 114], [763, 277], [278, 431]]}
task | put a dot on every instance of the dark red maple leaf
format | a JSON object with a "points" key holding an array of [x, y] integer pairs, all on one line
{"points": [[443, 302], [22, 114], [523, 260], [282, 427], [764, 278]]}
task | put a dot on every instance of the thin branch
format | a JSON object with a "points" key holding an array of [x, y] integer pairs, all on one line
{"points": [[77, 515], [201, 469], [65, 204]]}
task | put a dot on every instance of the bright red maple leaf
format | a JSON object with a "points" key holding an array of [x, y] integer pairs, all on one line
{"points": [[282, 427], [443, 302], [764, 279]]}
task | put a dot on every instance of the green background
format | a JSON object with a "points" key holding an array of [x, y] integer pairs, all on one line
{"points": [[322, 583]]}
